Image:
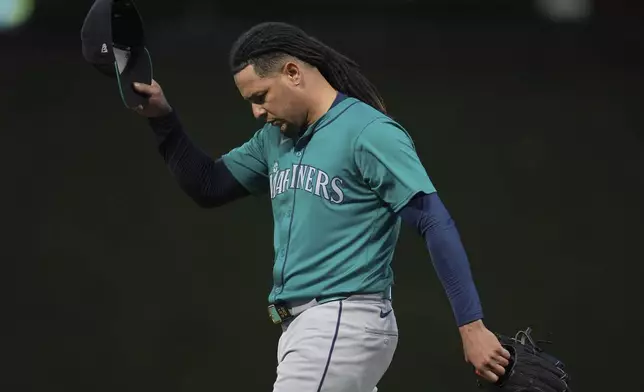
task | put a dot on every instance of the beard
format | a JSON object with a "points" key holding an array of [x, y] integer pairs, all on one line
{"points": [[290, 130], [293, 128]]}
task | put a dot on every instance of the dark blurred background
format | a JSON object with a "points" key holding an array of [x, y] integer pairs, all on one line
{"points": [[527, 115]]}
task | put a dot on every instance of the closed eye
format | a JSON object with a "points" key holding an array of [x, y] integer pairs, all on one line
{"points": [[257, 98]]}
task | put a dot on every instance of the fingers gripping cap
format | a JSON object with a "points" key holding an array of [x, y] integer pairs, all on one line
{"points": [[113, 41]]}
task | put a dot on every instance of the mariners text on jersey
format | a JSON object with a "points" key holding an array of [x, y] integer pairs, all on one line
{"points": [[307, 178], [335, 193]]}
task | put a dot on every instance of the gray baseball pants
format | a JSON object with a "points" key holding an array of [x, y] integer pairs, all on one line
{"points": [[338, 346]]}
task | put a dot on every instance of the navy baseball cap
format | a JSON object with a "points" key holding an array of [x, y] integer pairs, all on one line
{"points": [[113, 41]]}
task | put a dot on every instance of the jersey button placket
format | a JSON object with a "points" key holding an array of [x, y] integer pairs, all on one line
{"points": [[286, 222], [281, 258]]}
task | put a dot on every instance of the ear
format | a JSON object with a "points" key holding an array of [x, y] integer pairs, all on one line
{"points": [[293, 72]]}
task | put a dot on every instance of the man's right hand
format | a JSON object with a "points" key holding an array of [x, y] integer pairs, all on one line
{"points": [[157, 105]]}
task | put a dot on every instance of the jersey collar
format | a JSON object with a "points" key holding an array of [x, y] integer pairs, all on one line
{"points": [[341, 104]]}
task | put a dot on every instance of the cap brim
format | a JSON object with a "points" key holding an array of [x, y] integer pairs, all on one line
{"points": [[138, 69]]}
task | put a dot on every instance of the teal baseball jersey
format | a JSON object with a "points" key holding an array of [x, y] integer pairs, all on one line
{"points": [[335, 194]]}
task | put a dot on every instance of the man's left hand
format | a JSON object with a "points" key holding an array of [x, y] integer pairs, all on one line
{"points": [[484, 351]]}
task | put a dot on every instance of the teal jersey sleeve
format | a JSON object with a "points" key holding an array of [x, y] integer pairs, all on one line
{"points": [[247, 163], [389, 165]]}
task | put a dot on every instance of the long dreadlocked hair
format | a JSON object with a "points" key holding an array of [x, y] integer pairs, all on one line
{"points": [[266, 45]]}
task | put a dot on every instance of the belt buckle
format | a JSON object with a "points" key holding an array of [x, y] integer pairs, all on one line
{"points": [[278, 314]]}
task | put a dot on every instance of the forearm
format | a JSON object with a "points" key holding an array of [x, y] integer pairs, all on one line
{"points": [[430, 218], [453, 269], [208, 182]]}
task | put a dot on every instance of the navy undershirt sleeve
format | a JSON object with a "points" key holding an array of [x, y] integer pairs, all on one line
{"points": [[427, 214], [208, 182]]}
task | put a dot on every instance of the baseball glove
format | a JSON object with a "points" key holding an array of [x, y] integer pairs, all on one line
{"points": [[531, 369]]}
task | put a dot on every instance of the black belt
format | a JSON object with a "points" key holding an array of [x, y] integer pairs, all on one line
{"points": [[282, 312]]}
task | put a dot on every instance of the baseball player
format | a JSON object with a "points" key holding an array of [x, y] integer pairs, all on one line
{"points": [[341, 176]]}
